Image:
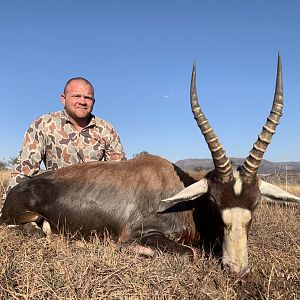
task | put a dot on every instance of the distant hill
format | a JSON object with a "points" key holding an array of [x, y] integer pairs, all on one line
{"points": [[266, 167]]}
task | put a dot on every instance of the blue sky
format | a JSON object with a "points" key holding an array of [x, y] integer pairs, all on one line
{"points": [[139, 56]]}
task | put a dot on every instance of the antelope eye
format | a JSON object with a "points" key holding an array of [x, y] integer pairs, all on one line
{"points": [[213, 199]]}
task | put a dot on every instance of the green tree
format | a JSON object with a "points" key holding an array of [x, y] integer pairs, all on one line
{"points": [[12, 161], [3, 165], [140, 153]]}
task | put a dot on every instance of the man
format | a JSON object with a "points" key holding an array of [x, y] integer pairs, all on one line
{"points": [[71, 136]]}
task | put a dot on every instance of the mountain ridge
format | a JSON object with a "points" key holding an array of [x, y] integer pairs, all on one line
{"points": [[266, 166]]}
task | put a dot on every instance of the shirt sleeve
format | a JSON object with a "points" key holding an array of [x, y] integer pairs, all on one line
{"points": [[30, 156], [114, 150]]}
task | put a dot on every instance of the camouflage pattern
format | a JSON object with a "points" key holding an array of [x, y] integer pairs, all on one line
{"points": [[51, 139]]}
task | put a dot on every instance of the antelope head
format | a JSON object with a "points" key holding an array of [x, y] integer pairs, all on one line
{"points": [[236, 191]]}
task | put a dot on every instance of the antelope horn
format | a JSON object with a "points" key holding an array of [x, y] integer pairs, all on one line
{"points": [[252, 162], [222, 164]]}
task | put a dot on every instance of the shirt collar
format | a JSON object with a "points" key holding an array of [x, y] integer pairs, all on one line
{"points": [[66, 118]]}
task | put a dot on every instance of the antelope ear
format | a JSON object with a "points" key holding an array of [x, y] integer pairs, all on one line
{"points": [[192, 192], [273, 193]]}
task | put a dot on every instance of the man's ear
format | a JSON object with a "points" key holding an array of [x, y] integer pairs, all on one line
{"points": [[63, 99]]}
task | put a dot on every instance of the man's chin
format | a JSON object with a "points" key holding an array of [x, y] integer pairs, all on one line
{"points": [[82, 114]]}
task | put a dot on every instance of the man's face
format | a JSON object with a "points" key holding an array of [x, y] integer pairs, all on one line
{"points": [[78, 100]]}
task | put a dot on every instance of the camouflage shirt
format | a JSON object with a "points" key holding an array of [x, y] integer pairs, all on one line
{"points": [[52, 139]]}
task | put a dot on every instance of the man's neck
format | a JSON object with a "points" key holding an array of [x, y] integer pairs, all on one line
{"points": [[78, 124]]}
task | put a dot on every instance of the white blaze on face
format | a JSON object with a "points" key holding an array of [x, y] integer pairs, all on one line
{"points": [[238, 183], [235, 253]]}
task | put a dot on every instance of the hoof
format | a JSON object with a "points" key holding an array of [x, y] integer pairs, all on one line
{"points": [[142, 250], [191, 253], [32, 229]]}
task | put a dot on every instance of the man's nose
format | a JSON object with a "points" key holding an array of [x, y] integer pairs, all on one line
{"points": [[82, 100]]}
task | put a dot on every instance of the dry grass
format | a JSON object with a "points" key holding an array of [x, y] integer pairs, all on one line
{"points": [[291, 188], [4, 179], [61, 268]]}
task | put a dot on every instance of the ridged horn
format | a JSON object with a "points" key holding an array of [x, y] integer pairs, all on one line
{"points": [[253, 161], [221, 162]]}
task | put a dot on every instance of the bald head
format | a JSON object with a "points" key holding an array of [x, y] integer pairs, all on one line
{"points": [[77, 79], [78, 101]]}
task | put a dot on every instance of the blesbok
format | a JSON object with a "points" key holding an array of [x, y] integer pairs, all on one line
{"points": [[151, 201]]}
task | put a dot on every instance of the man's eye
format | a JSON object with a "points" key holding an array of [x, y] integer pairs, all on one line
{"points": [[76, 96], [89, 98]]}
